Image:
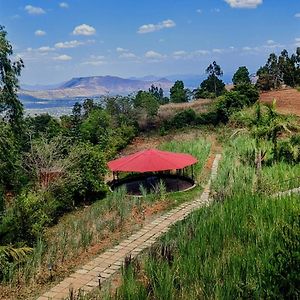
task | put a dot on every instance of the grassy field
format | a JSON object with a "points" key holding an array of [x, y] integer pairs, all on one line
{"points": [[80, 235], [246, 245]]}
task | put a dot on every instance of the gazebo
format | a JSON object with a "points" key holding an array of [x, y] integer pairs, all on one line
{"points": [[149, 167]]}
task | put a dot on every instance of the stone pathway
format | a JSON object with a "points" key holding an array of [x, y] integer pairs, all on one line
{"points": [[287, 193], [106, 264]]}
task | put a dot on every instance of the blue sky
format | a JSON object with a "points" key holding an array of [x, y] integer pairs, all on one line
{"points": [[62, 39]]}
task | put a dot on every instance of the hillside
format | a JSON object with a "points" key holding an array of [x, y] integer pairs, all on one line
{"points": [[95, 86], [287, 100]]}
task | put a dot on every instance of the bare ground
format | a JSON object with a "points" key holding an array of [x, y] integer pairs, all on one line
{"points": [[287, 100]]}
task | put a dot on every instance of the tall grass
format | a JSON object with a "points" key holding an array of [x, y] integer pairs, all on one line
{"points": [[199, 148], [246, 246]]}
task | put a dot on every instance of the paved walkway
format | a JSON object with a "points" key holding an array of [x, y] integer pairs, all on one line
{"points": [[109, 262], [287, 193]]}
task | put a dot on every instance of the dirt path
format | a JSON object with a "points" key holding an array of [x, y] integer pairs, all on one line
{"points": [[101, 269]]}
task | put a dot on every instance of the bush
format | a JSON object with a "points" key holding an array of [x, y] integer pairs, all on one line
{"points": [[248, 90], [85, 176], [28, 217], [227, 104], [181, 119], [289, 149]]}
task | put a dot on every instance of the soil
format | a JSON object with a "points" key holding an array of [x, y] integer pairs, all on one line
{"points": [[287, 100]]}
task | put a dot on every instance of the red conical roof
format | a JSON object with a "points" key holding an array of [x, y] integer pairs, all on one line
{"points": [[152, 160]]}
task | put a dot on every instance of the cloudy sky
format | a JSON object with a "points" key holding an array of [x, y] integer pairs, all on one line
{"points": [[62, 39]]}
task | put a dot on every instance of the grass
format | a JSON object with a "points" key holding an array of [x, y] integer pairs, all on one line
{"points": [[246, 245], [78, 236], [222, 252]]}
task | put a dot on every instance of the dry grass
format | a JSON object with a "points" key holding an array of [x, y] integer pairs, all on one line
{"points": [[287, 100], [169, 110]]}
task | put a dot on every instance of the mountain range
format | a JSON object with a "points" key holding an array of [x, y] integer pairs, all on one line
{"points": [[93, 86]]}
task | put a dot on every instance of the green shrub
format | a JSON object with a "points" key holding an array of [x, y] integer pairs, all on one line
{"points": [[85, 175]]}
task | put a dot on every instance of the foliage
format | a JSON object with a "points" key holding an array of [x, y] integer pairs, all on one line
{"points": [[43, 125], [278, 70], [248, 90], [85, 174], [178, 93], [10, 106], [95, 128], [186, 117], [147, 102], [11, 172], [158, 93], [241, 76], [212, 86], [228, 103]]}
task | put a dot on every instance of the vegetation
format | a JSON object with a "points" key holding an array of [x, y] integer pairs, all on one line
{"points": [[243, 246], [213, 86], [100, 222], [178, 93], [278, 70]]}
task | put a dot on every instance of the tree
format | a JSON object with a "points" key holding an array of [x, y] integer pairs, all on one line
{"points": [[241, 76], [211, 87], [214, 71], [270, 76], [10, 106], [148, 102], [249, 90], [178, 93], [96, 127]]}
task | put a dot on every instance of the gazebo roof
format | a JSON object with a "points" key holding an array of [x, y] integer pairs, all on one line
{"points": [[152, 160]]}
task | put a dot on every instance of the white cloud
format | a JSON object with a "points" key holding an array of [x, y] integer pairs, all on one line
{"points": [[63, 57], [297, 15], [40, 32], [199, 11], [153, 55], [201, 52], [297, 42], [180, 54], [270, 42], [70, 44], [43, 49], [246, 48], [128, 55], [63, 5], [244, 3], [84, 29], [34, 10], [156, 27], [120, 49], [95, 60], [216, 50]]}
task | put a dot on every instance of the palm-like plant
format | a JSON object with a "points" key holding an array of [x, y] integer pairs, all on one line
{"points": [[9, 253]]}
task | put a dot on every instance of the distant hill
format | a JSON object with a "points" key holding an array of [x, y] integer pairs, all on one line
{"points": [[95, 86]]}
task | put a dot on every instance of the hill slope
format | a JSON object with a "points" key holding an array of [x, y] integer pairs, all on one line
{"points": [[287, 100], [95, 86]]}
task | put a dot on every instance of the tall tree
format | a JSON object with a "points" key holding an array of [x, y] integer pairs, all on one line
{"points": [[10, 106], [241, 76], [178, 93], [214, 71]]}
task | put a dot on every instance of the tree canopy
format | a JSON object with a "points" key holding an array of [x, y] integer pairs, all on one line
{"points": [[241, 76], [10, 106], [178, 93]]}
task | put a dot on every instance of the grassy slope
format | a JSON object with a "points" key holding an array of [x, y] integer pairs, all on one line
{"points": [[245, 247], [82, 234]]}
